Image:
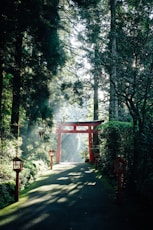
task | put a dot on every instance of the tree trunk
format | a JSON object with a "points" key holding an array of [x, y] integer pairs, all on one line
{"points": [[1, 112], [96, 101], [113, 107], [2, 42], [1, 89], [16, 87], [96, 106]]}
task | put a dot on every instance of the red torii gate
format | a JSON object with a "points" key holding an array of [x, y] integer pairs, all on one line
{"points": [[61, 128]]}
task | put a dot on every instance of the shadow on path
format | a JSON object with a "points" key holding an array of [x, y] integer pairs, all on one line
{"points": [[69, 197]]}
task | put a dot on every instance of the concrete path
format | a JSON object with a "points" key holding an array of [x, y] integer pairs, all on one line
{"points": [[70, 197]]}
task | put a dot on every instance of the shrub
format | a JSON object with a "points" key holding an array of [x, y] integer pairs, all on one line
{"points": [[116, 139]]}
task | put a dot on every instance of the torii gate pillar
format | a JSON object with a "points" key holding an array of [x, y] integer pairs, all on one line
{"points": [[58, 151], [90, 130], [91, 158]]}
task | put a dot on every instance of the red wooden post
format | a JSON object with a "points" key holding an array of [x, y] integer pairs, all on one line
{"points": [[58, 151], [90, 145], [17, 167], [119, 169], [17, 187], [51, 153]]}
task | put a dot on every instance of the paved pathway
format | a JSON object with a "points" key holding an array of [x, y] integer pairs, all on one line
{"points": [[70, 197]]}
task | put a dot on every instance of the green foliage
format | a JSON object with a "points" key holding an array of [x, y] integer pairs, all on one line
{"points": [[77, 89], [116, 139], [30, 172], [86, 3], [34, 164], [7, 193], [118, 126], [32, 169], [143, 161]]}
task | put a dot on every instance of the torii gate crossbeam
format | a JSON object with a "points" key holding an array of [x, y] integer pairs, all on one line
{"points": [[62, 128]]}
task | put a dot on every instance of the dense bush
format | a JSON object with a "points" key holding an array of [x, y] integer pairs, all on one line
{"points": [[7, 193], [116, 139], [30, 172], [143, 163], [119, 138]]}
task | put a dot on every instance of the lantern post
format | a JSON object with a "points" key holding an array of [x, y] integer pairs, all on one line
{"points": [[51, 153], [119, 170], [17, 167]]}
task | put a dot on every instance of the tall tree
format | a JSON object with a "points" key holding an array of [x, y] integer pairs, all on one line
{"points": [[6, 15], [134, 76], [38, 34], [90, 35], [113, 108]]}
